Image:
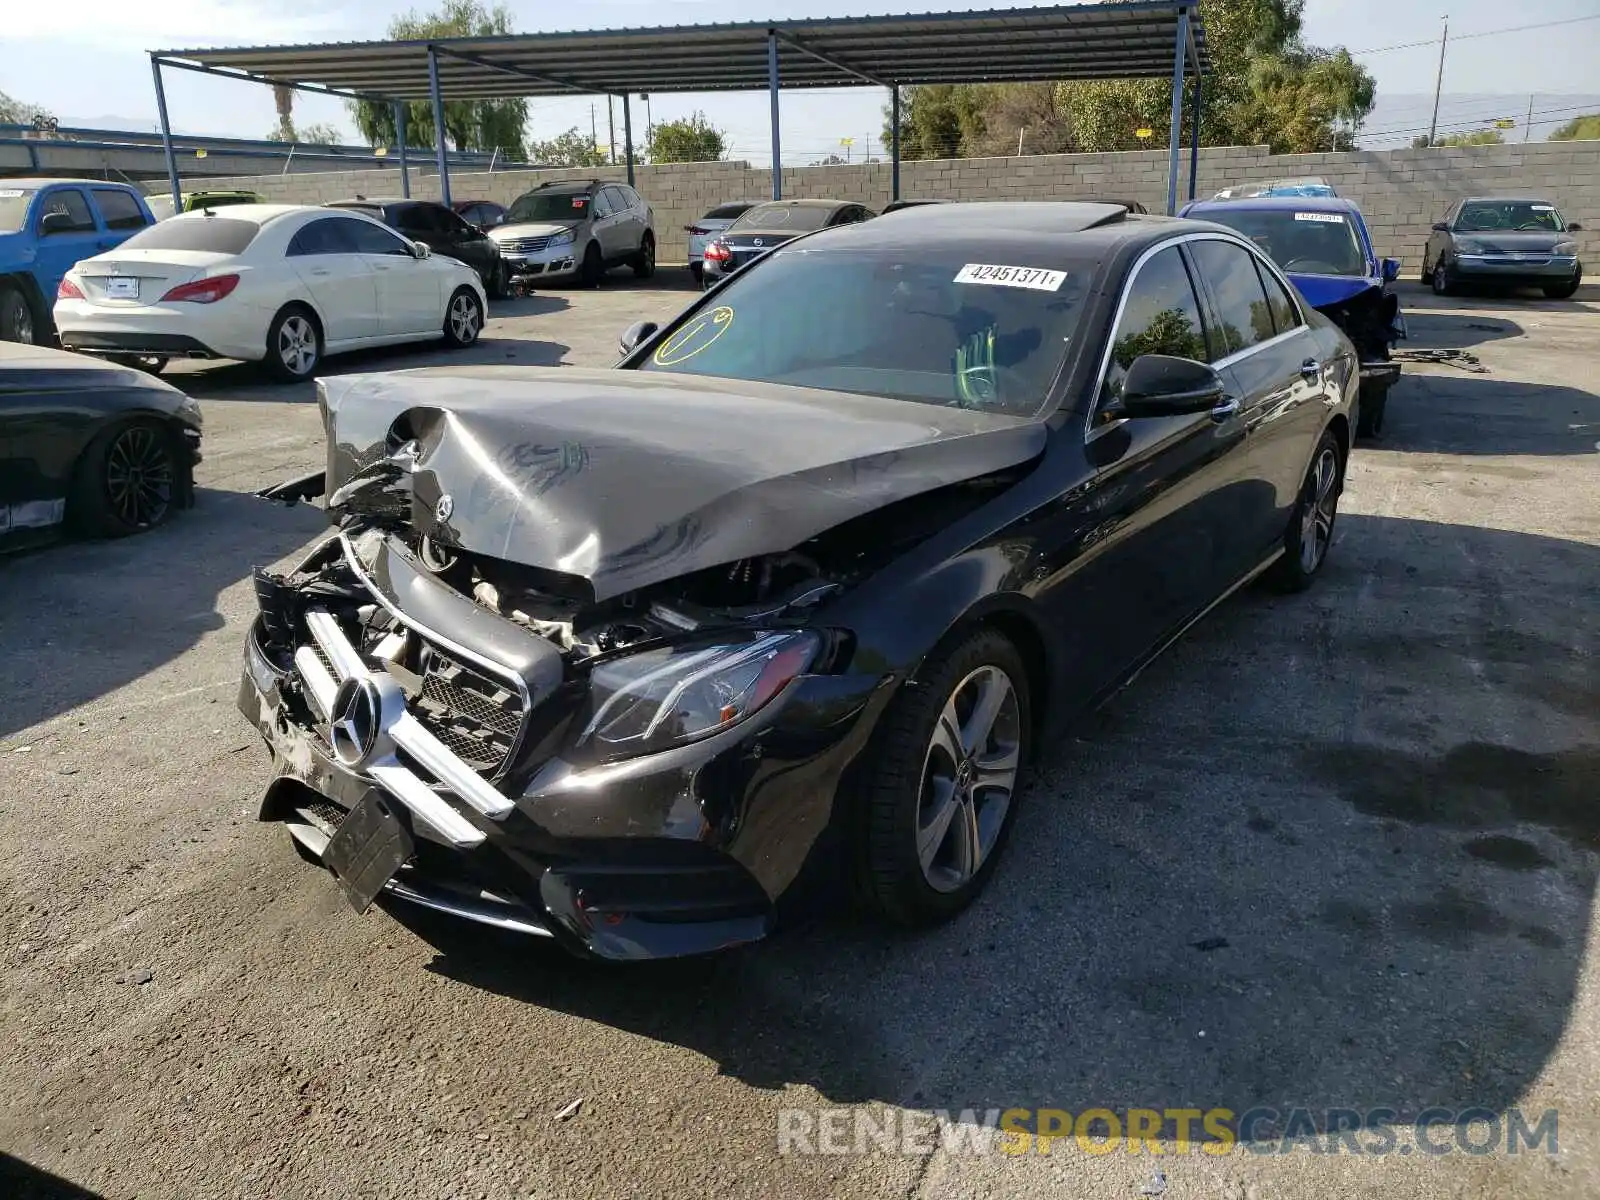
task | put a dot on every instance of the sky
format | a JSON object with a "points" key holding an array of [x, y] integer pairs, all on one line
{"points": [[85, 62]]}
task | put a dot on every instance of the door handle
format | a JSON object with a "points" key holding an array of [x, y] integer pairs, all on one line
{"points": [[1225, 409], [1311, 371], [320, 271]]}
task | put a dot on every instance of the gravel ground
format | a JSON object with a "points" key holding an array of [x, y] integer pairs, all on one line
{"points": [[1336, 850]]}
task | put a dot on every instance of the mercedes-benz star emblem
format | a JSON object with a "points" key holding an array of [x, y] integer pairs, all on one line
{"points": [[444, 508], [354, 723], [757, 242]]}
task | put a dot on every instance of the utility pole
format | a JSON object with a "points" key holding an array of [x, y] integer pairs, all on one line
{"points": [[1020, 132], [1528, 124], [594, 134], [1438, 83], [611, 129]]}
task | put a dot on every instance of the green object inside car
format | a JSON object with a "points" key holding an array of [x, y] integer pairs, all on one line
{"points": [[975, 368]]}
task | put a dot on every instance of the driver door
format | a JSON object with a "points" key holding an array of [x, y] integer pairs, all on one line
{"points": [[408, 289]]}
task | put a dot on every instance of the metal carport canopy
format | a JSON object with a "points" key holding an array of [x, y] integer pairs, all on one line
{"points": [[1130, 39]]}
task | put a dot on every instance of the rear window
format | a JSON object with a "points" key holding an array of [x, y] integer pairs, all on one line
{"points": [[801, 218], [939, 330], [725, 212], [214, 235]]}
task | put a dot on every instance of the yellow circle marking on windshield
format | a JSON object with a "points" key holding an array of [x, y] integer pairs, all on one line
{"points": [[694, 337]]}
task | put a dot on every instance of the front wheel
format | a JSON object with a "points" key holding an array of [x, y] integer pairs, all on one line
{"points": [[463, 318], [593, 269], [940, 797], [1370, 422], [1564, 291], [644, 263], [1310, 532], [498, 285], [127, 480], [1441, 280]]}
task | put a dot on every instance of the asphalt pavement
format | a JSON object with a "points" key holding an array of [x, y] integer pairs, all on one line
{"points": [[1335, 850]]}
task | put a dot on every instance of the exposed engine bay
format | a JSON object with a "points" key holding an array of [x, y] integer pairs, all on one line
{"points": [[1370, 319]]}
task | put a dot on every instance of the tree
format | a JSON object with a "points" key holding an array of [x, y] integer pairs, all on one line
{"points": [[1266, 87], [1584, 129], [1479, 137], [688, 139], [468, 124], [319, 135], [570, 149], [17, 112], [283, 101]]}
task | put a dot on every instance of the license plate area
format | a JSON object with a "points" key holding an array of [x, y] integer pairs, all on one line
{"points": [[122, 287], [366, 850]]}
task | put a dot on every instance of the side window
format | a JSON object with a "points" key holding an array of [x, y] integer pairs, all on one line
{"points": [[1243, 316], [473, 214], [1160, 316], [119, 210], [601, 205], [616, 200], [414, 219], [367, 238], [632, 197], [1285, 313], [69, 201], [453, 224], [320, 237]]}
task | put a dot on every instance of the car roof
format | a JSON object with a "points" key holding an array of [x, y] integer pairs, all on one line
{"points": [[259, 213], [1049, 224], [1276, 203], [808, 203], [572, 185], [1525, 199], [39, 181]]}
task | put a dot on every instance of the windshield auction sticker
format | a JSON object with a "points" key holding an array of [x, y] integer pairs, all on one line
{"points": [[1037, 278], [694, 337], [1325, 218]]}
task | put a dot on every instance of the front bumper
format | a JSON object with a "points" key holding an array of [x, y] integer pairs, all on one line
{"points": [[681, 852], [1508, 268], [553, 262]]}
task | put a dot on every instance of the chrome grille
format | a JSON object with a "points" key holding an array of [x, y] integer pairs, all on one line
{"points": [[528, 245], [477, 716]]}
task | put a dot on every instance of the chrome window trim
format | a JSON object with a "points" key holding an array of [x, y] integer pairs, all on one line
{"points": [[1090, 433]]}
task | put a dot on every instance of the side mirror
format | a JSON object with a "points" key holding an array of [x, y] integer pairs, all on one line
{"points": [[1391, 269], [636, 333], [1574, 227], [1159, 385], [1441, 227], [421, 250], [56, 222]]}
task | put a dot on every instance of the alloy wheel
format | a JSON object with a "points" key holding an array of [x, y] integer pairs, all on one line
{"points": [[297, 345], [1316, 524], [139, 476], [21, 318], [1441, 281], [464, 319], [969, 774]]}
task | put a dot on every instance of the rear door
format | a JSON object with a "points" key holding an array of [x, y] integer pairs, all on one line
{"points": [[1156, 556], [616, 230], [75, 234], [338, 278], [408, 291], [1262, 345]]}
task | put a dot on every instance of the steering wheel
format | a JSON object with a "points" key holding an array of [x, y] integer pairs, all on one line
{"points": [[1533, 226], [1310, 266]]}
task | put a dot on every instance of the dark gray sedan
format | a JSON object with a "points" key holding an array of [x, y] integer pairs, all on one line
{"points": [[1512, 241]]}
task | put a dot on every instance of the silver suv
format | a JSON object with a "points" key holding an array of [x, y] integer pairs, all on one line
{"points": [[577, 227]]}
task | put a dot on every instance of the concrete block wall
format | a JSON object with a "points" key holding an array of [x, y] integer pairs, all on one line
{"points": [[1401, 192]]}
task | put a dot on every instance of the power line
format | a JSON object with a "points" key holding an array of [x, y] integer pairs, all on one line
{"points": [[1461, 37]]}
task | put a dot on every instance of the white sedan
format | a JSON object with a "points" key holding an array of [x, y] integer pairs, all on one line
{"points": [[272, 283]]}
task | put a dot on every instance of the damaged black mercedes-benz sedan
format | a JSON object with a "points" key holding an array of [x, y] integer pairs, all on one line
{"points": [[611, 656]]}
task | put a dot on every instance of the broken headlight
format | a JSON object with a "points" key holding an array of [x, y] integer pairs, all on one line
{"points": [[662, 698]]}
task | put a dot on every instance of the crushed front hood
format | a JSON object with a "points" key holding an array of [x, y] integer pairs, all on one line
{"points": [[628, 478], [1324, 291]]}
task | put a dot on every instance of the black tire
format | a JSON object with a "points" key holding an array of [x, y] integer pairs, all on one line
{"points": [[1370, 421], [1564, 291], [129, 479], [1443, 285], [644, 262], [463, 318], [18, 322], [1296, 570], [593, 269], [293, 332], [897, 791], [698, 270], [1427, 272], [152, 365], [498, 285]]}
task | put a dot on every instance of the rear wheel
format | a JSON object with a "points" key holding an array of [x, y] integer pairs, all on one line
{"points": [[698, 270], [294, 344], [1310, 532], [940, 798], [16, 316], [127, 480], [644, 263], [463, 318]]}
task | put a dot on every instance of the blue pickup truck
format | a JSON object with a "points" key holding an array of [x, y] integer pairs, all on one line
{"points": [[47, 225]]}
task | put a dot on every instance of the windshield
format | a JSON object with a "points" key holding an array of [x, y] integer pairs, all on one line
{"points": [[1304, 242], [937, 330], [801, 218], [549, 206], [1531, 216], [213, 235], [14, 207]]}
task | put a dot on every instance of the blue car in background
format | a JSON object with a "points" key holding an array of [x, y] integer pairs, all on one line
{"points": [[1322, 244]]}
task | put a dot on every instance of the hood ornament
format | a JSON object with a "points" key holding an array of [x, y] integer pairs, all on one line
{"points": [[443, 509]]}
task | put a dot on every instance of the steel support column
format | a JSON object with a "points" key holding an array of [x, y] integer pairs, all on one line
{"points": [[1194, 133], [894, 141], [438, 125], [166, 136], [772, 92], [1175, 142], [627, 135], [400, 140]]}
